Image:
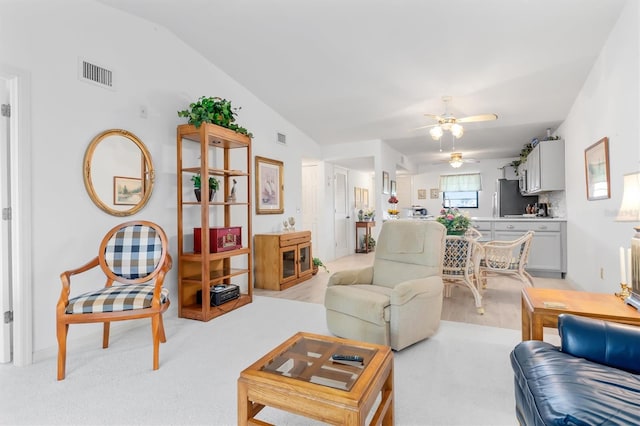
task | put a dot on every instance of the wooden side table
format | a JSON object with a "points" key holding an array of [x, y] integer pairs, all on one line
{"points": [[541, 307], [364, 226]]}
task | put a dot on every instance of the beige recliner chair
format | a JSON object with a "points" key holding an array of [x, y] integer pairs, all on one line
{"points": [[398, 300]]}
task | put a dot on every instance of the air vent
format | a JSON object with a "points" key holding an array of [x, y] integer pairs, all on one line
{"points": [[282, 139], [95, 74]]}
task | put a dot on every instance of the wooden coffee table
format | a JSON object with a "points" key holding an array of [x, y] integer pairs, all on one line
{"points": [[299, 376], [541, 307]]}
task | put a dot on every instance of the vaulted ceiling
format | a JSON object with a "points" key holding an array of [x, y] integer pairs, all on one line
{"points": [[357, 70]]}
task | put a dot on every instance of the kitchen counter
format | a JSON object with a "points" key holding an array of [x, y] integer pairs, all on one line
{"points": [[518, 218]]}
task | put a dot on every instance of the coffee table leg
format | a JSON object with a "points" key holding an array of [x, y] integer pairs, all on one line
{"points": [[387, 389], [526, 321], [243, 404]]}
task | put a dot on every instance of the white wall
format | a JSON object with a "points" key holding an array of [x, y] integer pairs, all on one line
{"points": [[606, 106], [488, 169], [152, 68]]}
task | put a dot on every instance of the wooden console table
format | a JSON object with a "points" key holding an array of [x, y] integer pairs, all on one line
{"points": [[541, 307], [366, 226]]}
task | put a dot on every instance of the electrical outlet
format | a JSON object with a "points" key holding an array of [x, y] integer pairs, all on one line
{"points": [[601, 273], [143, 111]]}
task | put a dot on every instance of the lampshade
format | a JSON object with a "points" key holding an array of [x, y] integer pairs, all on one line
{"points": [[630, 212], [630, 207], [457, 130], [436, 133]]}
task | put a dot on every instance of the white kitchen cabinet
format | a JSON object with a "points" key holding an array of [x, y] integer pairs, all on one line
{"points": [[548, 253], [545, 167], [484, 227]]}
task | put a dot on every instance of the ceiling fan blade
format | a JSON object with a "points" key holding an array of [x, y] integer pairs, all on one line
{"points": [[470, 160], [425, 127], [434, 116], [480, 117]]}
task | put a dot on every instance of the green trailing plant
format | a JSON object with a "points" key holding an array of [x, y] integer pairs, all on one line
{"points": [[524, 153], [317, 263], [214, 110], [213, 182]]}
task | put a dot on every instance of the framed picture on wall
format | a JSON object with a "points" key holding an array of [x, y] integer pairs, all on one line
{"points": [[393, 187], [127, 191], [358, 197], [385, 182], [422, 194], [269, 186], [596, 169]]}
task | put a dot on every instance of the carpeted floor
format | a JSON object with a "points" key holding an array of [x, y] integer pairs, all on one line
{"points": [[461, 376]]}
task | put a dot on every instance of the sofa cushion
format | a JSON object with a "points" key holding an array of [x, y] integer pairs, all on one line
{"points": [[555, 388]]}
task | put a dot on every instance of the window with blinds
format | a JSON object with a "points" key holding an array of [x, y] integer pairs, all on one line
{"points": [[460, 190]]}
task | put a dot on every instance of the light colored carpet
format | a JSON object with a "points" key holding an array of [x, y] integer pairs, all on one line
{"points": [[461, 376]]}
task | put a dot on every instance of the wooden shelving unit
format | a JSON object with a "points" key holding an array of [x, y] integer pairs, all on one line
{"points": [[226, 155]]}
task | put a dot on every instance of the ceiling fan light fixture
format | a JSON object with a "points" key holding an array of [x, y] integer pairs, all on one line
{"points": [[436, 133], [457, 130], [456, 160]]}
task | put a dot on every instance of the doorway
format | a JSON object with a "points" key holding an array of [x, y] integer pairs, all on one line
{"points": [[16, 251], [341, 211], [6, 324]]}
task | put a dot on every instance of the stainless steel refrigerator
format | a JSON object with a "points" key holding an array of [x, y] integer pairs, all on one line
{"points": [[508, 201]]}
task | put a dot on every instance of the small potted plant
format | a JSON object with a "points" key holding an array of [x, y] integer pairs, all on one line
{"points": [[317, 263], [197, 184]]}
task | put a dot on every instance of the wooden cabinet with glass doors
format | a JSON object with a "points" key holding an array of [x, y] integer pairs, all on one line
{"points": [[207, 263], [283, 259]]}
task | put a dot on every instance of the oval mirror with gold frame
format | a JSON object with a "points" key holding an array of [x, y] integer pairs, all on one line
{"points": [[118, 172]]}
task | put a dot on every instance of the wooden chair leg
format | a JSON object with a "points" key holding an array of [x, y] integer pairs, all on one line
{"points": [[163, 337], [61, 330], [105, 334], [155, 333]]}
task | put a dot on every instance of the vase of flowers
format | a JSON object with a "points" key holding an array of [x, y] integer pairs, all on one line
{"points": [[370, 215], [455, 221], [393, 206]]}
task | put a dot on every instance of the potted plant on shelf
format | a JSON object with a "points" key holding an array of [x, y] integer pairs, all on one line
{"points": [[197, 184], [318, 263], [213, 110]]}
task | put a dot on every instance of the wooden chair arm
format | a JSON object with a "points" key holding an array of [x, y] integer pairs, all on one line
{"points": [[65, 278], [159, 283]]}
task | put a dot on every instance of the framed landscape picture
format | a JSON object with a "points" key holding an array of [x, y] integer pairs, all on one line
{"points": [[269, 186], [596, 168], [127, 191]]}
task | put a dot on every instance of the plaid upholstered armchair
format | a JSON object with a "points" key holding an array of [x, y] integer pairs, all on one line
{"points": [[134, 256]]}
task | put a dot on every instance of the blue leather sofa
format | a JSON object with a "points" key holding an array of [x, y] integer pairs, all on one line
{"points": [[593, 378]]}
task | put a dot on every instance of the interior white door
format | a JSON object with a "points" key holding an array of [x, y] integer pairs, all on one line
{"points": [[310, 202], [341, 209], [5, 231]]}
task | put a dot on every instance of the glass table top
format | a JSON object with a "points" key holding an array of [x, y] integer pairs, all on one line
{"points": [[310, 360]]}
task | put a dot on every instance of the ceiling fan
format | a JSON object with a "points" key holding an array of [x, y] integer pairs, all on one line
{"points": [[448, 122], [456, 160]]}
